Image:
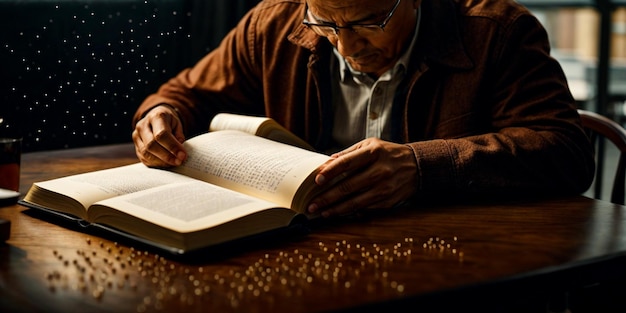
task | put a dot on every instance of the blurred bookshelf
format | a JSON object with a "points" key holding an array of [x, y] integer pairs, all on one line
{"points": [[588, 37]]}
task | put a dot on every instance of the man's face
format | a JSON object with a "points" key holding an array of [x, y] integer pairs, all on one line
{"points": [[373, 50]]}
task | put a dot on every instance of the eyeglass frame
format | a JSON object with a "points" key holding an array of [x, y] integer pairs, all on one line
{"points": [[336, 27]]}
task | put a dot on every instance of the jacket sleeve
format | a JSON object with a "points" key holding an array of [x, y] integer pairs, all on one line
{"points": [[533, 142]]}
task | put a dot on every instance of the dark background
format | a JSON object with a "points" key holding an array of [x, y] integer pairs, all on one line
{"points": [[74, 72]]}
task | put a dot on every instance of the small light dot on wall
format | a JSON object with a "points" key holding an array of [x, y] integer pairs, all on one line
{"points": [[94, 63]]}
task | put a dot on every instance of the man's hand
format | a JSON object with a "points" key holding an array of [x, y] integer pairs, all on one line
{"points": [[158, 138], [379, 174]]}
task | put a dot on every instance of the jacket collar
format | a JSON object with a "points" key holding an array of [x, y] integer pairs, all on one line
{"points": [[439, 20]]}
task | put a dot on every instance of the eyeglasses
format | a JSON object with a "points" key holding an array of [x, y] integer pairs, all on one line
{"points": [[329, 29]]}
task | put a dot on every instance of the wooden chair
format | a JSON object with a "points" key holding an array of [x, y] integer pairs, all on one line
{"points": [[598, 129]]}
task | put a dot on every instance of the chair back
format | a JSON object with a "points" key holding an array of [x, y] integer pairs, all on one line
{"points": [[600, 128]]}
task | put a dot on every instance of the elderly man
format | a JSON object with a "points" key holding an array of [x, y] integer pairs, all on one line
{"points": [[415, 99]]}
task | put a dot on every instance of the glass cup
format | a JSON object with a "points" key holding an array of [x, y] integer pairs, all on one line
{"points": [[10, 157]]}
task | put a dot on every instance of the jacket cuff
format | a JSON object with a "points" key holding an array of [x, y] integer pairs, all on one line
{"points": [[436, 168]]}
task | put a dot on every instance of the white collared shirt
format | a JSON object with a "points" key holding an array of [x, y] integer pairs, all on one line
{"points": [[362, 106]]}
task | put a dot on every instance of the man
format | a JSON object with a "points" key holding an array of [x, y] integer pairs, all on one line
{"points": [[422, 98]]}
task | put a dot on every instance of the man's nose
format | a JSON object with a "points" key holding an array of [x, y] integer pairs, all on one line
{"points": [[349, 42]]}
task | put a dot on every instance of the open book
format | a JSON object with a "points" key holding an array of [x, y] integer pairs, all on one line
{"points": [[232, 185]]}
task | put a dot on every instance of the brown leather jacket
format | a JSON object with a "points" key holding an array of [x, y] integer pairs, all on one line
{"points": [[484, 106]]}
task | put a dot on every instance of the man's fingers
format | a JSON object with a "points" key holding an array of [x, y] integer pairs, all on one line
{"points": [[167, 149], [371, 174], [341, 190], [344, 162], [158, 139]]}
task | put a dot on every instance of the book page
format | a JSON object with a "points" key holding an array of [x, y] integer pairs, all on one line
{"points": [[258, 125], [244, 123], [91, 187], [250, 164], [183, 207]]}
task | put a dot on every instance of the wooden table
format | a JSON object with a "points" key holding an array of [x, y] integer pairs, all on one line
{"points": [[492, 254]]}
